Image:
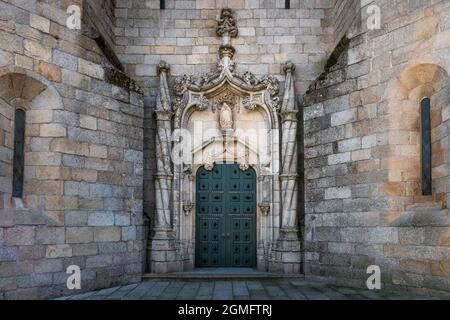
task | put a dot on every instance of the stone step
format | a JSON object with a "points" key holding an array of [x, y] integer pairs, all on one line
{"points": [[196, 275]]}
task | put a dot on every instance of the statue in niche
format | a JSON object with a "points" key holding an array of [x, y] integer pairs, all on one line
{"points": [[226, 117]]}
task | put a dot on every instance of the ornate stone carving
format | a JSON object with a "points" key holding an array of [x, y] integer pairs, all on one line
{"points": [[264, 207], [187, 168], [187, 208], [182, 84], [249, 103], [226, 117], [227, 24], [227, 97], [244, 166], [203, 103], [208, 162]]}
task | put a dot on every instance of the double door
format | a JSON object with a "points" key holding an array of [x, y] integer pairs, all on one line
{"points": [[226, 217]]}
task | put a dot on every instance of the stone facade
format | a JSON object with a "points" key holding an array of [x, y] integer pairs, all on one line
{"points": [[97, 182]]}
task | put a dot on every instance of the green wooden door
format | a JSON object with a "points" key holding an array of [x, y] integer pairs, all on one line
{"points": [[226, 217]]}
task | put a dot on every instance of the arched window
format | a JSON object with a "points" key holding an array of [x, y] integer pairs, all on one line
{"points": [[287, 4], [425, 106], [19, 144], [162, 4]]}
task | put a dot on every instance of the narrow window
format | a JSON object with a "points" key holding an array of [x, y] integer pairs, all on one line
{"points": [[162, 4], [426, 146], [287, 4], [18, 161]]}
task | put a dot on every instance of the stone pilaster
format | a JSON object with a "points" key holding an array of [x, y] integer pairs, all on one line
{"points": [[287, 252], [163, 254]]}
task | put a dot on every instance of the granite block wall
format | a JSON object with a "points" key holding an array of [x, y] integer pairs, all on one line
{"points": [[82, 202], [364, 204]]}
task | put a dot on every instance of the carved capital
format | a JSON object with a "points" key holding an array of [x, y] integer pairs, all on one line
{"points": [[288, 67], [163, 67], [289, 115], [265, 208], [163, 115], [226, 51]]}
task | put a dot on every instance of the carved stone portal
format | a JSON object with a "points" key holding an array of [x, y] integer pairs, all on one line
{"points": [[228, 117]]}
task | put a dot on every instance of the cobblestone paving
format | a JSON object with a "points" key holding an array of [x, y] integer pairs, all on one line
{"points": [[282, 289]]}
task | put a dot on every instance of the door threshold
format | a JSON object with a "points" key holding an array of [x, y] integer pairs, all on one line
{"points": [[221, 274]]}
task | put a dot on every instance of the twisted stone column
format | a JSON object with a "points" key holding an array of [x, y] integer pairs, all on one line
{"points": [[286, 256], [164, 175], [163, 255], [289, 176]]}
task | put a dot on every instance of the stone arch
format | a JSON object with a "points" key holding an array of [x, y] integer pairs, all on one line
{"points": [[425, 80]]}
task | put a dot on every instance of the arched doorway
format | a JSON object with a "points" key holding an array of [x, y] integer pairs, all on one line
{"points": [[225, 217]]}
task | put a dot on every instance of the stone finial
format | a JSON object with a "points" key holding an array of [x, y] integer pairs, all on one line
{"points": [[163, 67], [289, 103], [288, 67], [163, 102], [227, 24]]}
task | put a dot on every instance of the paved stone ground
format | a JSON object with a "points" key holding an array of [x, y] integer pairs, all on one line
{"points": [[281, 289]]}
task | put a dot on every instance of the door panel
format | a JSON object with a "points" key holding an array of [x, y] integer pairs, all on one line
{"points": [[226, 217]]}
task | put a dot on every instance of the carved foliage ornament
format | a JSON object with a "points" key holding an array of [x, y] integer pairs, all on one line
{"points": [[187, 87], [227, 24]]}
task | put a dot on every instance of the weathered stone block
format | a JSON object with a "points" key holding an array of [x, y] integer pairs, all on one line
{"points": [[107, 234], [99, 261], [90, 69], [344, 117], [101, 219], [48, 265], [50, 71], [79, 235], [47, 235], [88, 122], [84, 249], [338, 193], [37, 50], [40, 23], [70, 147], [98, 151], [52, 130], [58, 251], [20, 235]]}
